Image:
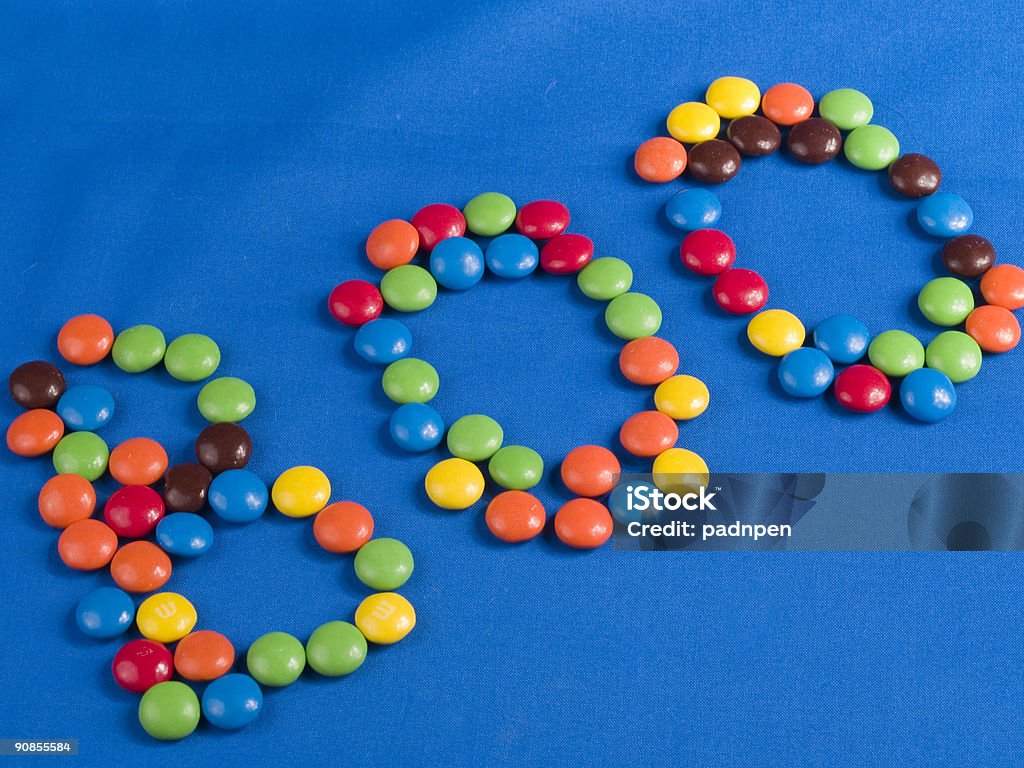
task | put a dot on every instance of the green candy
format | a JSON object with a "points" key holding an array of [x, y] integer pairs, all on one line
{"points": [[138, 348], [336, 648], [871, 147], [226, 399], [384, 564], [516, 467], [955, 354], [605, 278], [276, 659], [489, 214], [192, 357], [169, 711], [475, 438], [846, 108], [410, 380], [408, 288], [81, 453], [896, 353], [946, 301], [633, 316]]}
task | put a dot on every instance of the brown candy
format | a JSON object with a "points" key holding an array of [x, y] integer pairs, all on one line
{"points": [[223, 446], [714, 161], [37, 384], [915, 175], [754, 136], [814, 141], [968, 255], [185, 487]]}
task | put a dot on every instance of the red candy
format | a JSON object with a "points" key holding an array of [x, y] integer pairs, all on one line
{"points": [[708, 251], [355, 302], [133, 511], [566, 254], [141, 664], [437, 222], [862, 389], [740, 291], [542, 219]]}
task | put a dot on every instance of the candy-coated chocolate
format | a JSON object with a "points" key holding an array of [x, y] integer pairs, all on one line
{"points": [[36, 384], [648, 360], [679, 470], [968, 255], [516, 467], [140, 566], [955, 354], [232, 702], [566, 253], [34, 432], [754, 136], [944, 215], [192, 357], [138, 348], [343, 527], [776, 332], [392, 243], [85, 339], [862, 389], [659, 160], [928, 395], [385, 618], [410, 380], [81, 453], [542, 219], [238, 496], [276, 659], [301, 491], [87, 545], [85, 407], [336, 648], [623, 511], [186, 487], [416, 427], [457, 263], [583, 524], [512, 256], [489, 214], [846, 108], [475, 437], [946, 301], [693, 122], [169, 711], [203, 655], [707, 251], [223, 446], [733, 97], [740, 291], [633, 316], [383, 564], [141, 664], [814, 141], [714, 161], [355, 302], [871, 147], [437, 221], [515, 516], [648, 433], [590, 470], [605, 278], [682, 398], [383, 341], [184, 534], [691, 209], [226, 399], [915, 175], [1003, 286], [896, 353], [165, 617], [843, 338], [787, 104], [805, 372], [65, 499], [138, 461], [133, 511], [996, 329], [105, 613], [409, 288], [454, 484]]}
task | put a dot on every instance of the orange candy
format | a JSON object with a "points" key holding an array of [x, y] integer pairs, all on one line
{"points": [[66, 499], [140, 566], [87, 545], [85, 339], [994, 328], [392, 244], [648, 433], [590, 470], [660, 159], [1003, 285], [583, 524], [787, 104], [343, 526], [648, 361], [34, 432], [204, 655], [515, 516], [139, 461]]}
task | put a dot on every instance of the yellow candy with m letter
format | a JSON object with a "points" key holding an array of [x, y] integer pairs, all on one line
{"points": [[385, 618], [301, 491], [166, 617]]}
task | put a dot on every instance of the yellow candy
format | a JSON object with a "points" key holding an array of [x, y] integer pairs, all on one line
{"points": [[455, 484], [385, 618], [301, 491], [682, 397], [678, 470], [776, 332], [733, 97], [693, 122], [165, 617]]}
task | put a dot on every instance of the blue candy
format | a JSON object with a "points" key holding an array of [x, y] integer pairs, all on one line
{"points": [[927, 394], [944, 215], [105, 613], [383, 341], [232, 701], [238, 496], [693, 209], [619, 503], [512, 256], [843, 338], [416, 427], [805, 372], [457, 263], [184, 533], [85, 407]]}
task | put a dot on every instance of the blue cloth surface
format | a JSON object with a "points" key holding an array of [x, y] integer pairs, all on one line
{"points": [[216, 167]]}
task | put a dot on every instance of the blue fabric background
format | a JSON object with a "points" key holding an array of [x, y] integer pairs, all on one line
{"points": [[215, 167]]}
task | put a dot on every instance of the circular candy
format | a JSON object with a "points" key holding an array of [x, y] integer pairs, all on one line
{"points": [[384, 564], [223, 446], [34, 432], [37, 384], [385, 618], [740, 291], [238, 496], [994, 328], [85, 339], [516, 467], [787, 104], [955, 354], [590, 470], [633, 316], [457, 263], [896, 353], [968, 255], [566, 253], [204, 655], [81, 453], [138, 461], [915, 175], [623, 511], [226, 399], [66, 499], [679, 470], [85, 407], [515, 516], [133, 511], [392, 243], [707, 251], [659, 159], [454, 484], [408, 288], [605, 278], [301, 491], [805, 372], [583, 524], [140, 566], [489, 214], [336, 648], [871, 147], [232, 702], [754, 136], [846, 108], [343, 527], [475, 437], [87, 545], [138, 348], [843, 338], [184, 534], [165, 617], [862, 389], [693, 122], [682, 398], [410, 380], [169, 711], [648, 433], [733, 97], [436, 222], [186, 487], [383, 341], [714, 161], [542, 219], [276, 659], [416, 427], [814, 141], [192, 357], [946, 301], [1003, 286], [141, 664], [105, 613], [512, 256], [776, 331], [648, 361], [355, 302], [944, 215], [691, 209], [928, 395]]}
